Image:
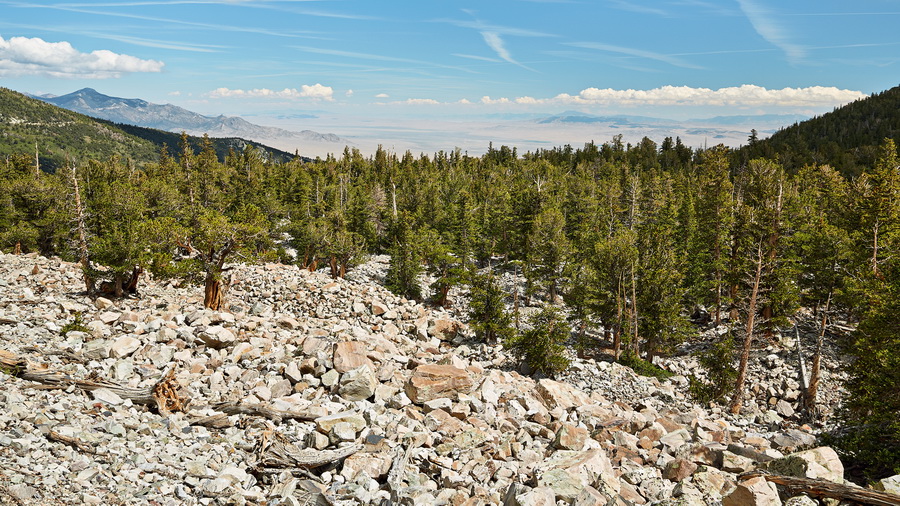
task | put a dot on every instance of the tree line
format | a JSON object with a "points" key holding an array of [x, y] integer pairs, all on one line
{"points": [[635, 240]]}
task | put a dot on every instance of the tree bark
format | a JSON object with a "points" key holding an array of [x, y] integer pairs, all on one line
{"points": [[738, 396], [276, 451], [812, 391], [828, 489], [83, 252], [165, 395], [214, 292]]}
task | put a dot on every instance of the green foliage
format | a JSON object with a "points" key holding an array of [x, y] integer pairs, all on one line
{"points": [[847, 138], [869, 439], [718, 361], [643, 367], [542, 346], [488, 316], [406, 260], [77, 324]]}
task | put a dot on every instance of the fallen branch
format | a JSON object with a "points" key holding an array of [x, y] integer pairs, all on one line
{"points": [[164, 395], [216, 421], [71, 441], [276, 451], [276, 415], [827, 489]]}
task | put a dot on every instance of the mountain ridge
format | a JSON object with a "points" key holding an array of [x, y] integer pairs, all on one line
{"points": [[172, 118], [58, 134]]}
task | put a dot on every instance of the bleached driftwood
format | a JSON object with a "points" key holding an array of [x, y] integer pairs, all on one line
{"points": [[165, 395]]}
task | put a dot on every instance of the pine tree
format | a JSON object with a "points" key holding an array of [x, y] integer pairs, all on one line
{"points": [[542, 346], [406, 259], [488, 315]]}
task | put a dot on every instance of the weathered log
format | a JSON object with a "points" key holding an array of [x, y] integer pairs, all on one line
{"points": [[71, 441], [164, 395], [827, 489], [216, 421], [276, 451], [276, 415]]}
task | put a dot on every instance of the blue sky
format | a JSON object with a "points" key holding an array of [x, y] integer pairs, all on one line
{"points": [[465, 59]]}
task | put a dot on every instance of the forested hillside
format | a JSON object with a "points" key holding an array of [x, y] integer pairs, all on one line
{"points": [[847, 138], [620, 244], [33, 127]]}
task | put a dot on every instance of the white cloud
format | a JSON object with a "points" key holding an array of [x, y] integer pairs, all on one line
{"points": [[348, 93], [22, 56], [382, 95], [175, 93], [315, 91], [747, 95], [420, 101]]}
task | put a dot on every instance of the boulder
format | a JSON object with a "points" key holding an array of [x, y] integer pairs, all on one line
{"points": [[349, 355], [445, 329], [568, 472], [679, 469], [325, 423], [358, 384], [124, 346], [822, 463], [433, 381], [890, 484], [753, 492], [217, 337], [570, 437], [560, 395]]}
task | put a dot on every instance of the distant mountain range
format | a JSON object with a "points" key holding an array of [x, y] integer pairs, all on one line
{"points": [[764, 121], [55, 134], [168, 117]]}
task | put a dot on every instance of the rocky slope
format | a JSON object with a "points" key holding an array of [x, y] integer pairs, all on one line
{"points": [[309, 390]]}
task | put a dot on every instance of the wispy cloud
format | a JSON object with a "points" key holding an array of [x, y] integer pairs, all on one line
{"points": [[177, 46], [377, 57], [475, 57], [315, 91], [633, 6], [769, 28], [21, 56], [638, 53], [210, 26], [493, 34], [495, 42]]}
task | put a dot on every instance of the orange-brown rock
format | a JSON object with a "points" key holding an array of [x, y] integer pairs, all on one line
{"points": [[432, 381]]}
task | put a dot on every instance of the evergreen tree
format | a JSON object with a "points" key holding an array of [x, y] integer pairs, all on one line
{"points": [[542, 346], [488, 315], [406, 259]]}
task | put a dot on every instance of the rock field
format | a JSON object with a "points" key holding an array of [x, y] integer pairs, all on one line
{"points": [[310, 390]]}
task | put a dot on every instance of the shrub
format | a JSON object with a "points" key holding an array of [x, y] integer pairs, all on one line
{"points": [[542, 347], [718, 361], [488, 316], [642, 367]]}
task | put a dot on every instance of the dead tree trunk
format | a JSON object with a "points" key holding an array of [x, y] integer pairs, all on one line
{"points": [[80, 227], [738, 397], [812, 391], [216, 285]]}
